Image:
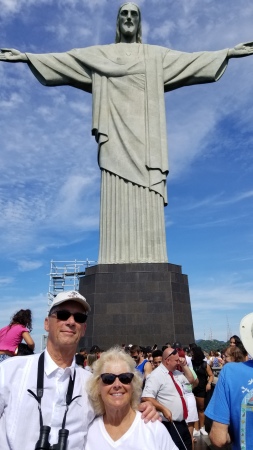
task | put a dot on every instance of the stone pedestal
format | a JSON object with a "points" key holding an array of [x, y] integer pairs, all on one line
{"points": [[137, 304]]}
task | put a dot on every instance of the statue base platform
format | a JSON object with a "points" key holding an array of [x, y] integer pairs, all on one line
{"points": [[142, 304]]}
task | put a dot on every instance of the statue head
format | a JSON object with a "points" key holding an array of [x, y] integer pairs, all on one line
{"points": [[127, 10]]}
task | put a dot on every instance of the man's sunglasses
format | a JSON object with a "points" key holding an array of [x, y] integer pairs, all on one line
{"points": [[124, 378], [64, 314], [172, 353]]}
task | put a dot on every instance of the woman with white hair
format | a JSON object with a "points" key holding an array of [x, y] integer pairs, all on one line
{"points": [[115, 391]]}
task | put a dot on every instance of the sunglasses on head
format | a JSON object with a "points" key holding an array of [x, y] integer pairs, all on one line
{"points": [[172, 353], [64, 314], [124, 378]]}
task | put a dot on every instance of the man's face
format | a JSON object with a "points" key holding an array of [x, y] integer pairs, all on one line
{"points": [[157, 361], [170, 359], [65, 333], [136, 357], [129, 20]]}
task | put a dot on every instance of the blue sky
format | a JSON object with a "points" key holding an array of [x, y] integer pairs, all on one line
{"points": [[49, 179]]}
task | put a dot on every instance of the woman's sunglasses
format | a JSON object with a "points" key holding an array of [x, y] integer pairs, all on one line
{"points": [[124, 378], [64, 314]]}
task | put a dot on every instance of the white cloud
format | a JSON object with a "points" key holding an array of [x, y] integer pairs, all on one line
{"points": [[13, 102], [215, 201], [60, 31], [224, 297], [25, 266], [8, 7], [74, 207], [219, 304], [165, 30], [6, 280], [237, 198]]}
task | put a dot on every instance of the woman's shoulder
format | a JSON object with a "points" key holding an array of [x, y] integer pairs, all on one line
{"points": [[198, 367], [19, 327], [95, 423], [158, 435]]}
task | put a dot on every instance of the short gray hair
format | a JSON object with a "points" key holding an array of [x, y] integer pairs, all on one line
{"points": [[114, 354]]}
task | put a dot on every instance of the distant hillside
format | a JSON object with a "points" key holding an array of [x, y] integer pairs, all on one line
{"points": [[208, 345]]}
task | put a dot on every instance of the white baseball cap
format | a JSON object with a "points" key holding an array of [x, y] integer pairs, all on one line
{"points": [[67, 296], [246, 332]]}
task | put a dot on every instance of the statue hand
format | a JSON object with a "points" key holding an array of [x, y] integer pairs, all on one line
{"points": [[241, 50], [12, 55]]}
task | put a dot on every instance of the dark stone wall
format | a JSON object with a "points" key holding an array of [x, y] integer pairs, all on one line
{"points": [[137, 304]]}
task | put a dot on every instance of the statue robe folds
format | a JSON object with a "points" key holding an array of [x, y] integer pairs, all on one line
{"points": [[127, 82]]}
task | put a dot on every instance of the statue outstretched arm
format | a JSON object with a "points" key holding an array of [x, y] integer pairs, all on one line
{"points": [[241, 50], [12, 55], [53, 69]]}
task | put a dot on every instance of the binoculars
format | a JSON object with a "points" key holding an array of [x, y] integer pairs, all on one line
{"points": [[43, 442]]}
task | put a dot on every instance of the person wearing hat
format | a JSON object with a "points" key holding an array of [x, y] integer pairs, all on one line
{"points": [[47, 390], [231, 406]]}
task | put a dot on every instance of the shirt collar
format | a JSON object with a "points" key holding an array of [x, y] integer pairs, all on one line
{"points": [[51, 366], [163, 368], [166, 370]]}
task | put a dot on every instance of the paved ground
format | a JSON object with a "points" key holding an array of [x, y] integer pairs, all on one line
{"points": [[203, 443]]}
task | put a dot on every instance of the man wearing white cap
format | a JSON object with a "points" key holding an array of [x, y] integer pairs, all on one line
{"points": [[231, 406], [43, 399]]}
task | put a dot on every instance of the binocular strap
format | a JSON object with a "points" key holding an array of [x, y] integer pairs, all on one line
{"points": [[40, 390]]}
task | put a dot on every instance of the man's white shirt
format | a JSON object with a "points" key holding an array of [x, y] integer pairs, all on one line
{"points": [[19, 414], [159, 385]]}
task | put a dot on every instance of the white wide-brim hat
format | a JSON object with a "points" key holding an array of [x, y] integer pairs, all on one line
{"points": [[67, 296], [246, 332]]}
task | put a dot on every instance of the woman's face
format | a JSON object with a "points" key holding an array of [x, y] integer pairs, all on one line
{"points": [[227, 357], [232, 342], [116, 396]]}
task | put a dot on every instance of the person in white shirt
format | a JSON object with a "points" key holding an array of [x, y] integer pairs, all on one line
{"points": [[64, 404], [114, 391], [164, 389]]}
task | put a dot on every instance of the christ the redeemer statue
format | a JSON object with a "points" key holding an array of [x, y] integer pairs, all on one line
{"points": [[127, 81]]}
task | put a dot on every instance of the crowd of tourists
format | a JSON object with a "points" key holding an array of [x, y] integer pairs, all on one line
{"points": [[92, 398], [202, 364]]}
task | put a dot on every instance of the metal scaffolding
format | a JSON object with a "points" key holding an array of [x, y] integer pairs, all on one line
{"points": [[65, 275]]}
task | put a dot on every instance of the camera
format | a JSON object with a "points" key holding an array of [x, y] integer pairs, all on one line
{"points": [[43, 442]]}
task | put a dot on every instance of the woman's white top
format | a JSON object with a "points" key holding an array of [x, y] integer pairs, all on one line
{"points": [[148, 436]]}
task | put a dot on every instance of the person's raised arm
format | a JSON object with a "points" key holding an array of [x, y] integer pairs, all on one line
{"points": [[12, 55], [241, 50], [28, 339], [187, 372]]}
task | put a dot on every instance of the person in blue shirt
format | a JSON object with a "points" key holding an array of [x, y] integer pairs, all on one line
{"points": [[142, 364], [231, 406]]}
